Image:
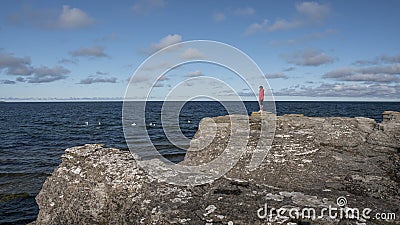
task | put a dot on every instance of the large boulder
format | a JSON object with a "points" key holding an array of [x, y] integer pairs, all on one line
{"points": [[314, 163]]}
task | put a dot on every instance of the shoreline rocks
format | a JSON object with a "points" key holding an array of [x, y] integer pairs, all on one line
{"points": [[312, 162]]}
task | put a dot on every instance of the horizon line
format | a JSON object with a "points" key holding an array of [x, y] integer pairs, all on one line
{"points": [[204, 100]]}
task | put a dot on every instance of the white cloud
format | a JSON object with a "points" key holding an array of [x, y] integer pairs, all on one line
{"points": [[7, 60], [378, 60], [92, 80], [22, 67], [192, 53], [282, 24], [66, 61], [379, 74], [20, 79], [7, 82], [73, 18], [247, 11], [255, 27], [101, 73], [68, 18], [307, 13], [289, 69], [340, 72], [363, 62], [309, 57], [390, 69], [142, 77], [139, 79], [46, 71], [15, 65], [158, 66], [390, 59], [164, 42], [303, 39], [314, 11], [158, 84], [343, 90], [163, 78], [242, 12], [94, 51], [276, 76], [146, 6], [44, 74], [195, 73], [372, 78], [109, 37], [188, 83], [279, 24], [46, 79], [218, 17]]}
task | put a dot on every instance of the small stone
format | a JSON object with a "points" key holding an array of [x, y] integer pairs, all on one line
{"points": [[210, 209], [76, 171]]}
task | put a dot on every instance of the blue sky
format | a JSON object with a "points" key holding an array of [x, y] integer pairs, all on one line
{"points": [[308, 50]]}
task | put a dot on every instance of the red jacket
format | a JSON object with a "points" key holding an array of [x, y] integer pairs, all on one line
{"points": [[261, 95]]}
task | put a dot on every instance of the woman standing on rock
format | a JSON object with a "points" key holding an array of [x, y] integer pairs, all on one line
{"points": [[261, 98]]}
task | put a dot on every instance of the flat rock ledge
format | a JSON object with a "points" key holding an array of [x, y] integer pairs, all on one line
{"points": [[313, 161]]}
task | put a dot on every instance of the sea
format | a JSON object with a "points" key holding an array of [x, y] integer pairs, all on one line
{"points": [[34, 135]]}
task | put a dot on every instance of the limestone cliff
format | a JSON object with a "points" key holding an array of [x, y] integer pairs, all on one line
{"points": [[312, 162]]}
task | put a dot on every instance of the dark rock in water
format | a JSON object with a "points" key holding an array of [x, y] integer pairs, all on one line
{"points": [[314, 164]]}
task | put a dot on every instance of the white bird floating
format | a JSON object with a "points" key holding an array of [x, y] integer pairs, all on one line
{"points": [[152, 124], [133, 124], [86, 123], [189, 121], [99, 123]]}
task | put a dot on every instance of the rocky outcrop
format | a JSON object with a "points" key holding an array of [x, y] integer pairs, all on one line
{"points": [[312, 162]]}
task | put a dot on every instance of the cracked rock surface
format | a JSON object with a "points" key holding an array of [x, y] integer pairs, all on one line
{"points": [[311, 163]]}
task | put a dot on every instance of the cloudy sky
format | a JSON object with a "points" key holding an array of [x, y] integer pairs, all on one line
{"points": [[322, 50]]}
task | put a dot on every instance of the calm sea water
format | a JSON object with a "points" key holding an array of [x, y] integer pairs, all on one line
{"points": [[35, 135]]}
